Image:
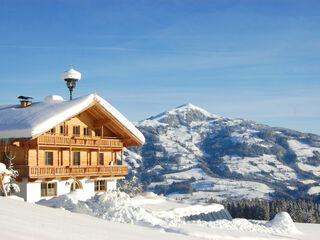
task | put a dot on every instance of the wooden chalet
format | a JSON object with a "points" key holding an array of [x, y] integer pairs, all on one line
{"points": [[59, 146]]}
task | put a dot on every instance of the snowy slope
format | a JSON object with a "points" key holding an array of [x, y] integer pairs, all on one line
{"points": [[192, 154], [21, 220]]}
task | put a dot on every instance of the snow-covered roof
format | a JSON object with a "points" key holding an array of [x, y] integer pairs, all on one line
{"points": [[17, 122]]}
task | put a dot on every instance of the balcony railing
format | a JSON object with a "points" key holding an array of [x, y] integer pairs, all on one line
{"points": [[70, 171], [78, 141]]}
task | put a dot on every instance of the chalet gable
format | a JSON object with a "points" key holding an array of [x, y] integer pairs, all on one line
{"points": [[40, 117]]}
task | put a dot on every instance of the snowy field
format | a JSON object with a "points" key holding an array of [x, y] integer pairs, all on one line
{"points": [[260, 166], [116, 216], [216, 188], [303, 152]]}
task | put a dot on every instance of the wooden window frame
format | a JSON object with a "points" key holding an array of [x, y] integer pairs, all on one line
{"points": [[100, 185], [62, 130], [48, 187], [73, 158], [101, 159], [97, 132], [76, 185], [47, 160], [76, 131], [86, 131], [52, 131]]}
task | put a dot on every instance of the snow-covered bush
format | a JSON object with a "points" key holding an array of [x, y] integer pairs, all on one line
{"points": [[8, 183], [130, 186]]}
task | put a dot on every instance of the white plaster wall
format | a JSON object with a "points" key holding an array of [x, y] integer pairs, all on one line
{"points": [[64, 187], [111, 185], [31, 191], [88, 186], [23, 189]]}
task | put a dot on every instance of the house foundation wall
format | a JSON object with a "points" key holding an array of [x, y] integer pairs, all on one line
{"points": [[31, 191]]}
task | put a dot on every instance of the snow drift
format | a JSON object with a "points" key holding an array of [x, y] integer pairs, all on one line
{"points": [[162, 213]]}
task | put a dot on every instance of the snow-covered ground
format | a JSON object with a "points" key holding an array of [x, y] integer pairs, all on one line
{"points": [[21, 220], [116, 216], [260, 166], [303, 152], [314, 190], [216, 188]]}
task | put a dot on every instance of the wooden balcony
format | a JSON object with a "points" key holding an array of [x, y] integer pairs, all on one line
{"points": [[79, 141], [70, 171]]}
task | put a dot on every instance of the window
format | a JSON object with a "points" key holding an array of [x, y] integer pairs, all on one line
{"points": [[61, 129], [76, 131], [97, 132], [100, 185], [86, 131], [52, 131], [48, 189], [76, 185], [48, 158], [76, 158], [101, 158]]}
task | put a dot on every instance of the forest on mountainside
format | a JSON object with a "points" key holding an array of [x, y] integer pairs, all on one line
{"points": [[304, 211]]}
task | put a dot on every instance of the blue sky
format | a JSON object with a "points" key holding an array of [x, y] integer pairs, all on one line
{"points": [[258, 60]]}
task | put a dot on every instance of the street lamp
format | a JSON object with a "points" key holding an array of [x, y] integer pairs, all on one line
{"points": [[71, 77]]}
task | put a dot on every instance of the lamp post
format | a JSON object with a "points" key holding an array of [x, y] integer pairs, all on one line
{"points": [[71, 77]]}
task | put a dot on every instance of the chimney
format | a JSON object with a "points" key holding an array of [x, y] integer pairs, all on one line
{"points": [[25, 101]]}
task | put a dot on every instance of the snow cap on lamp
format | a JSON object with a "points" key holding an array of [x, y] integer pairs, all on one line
{"points": [[71, 77], [71, 74]]}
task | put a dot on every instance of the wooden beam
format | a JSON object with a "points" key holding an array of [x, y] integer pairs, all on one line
{"points": [[37, 151], [98, 153], [119, 126], [102, 132], [70, 156], [19, 179], [26, 156], [78, 147], [101, 122], [32, 179], [121, 156], [115, 158], [61, 156]]}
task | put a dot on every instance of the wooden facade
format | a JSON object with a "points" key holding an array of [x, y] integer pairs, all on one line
{"points": [[89, 144]]}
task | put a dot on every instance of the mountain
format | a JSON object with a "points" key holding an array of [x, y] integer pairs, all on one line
{"points": [[192, 154]]}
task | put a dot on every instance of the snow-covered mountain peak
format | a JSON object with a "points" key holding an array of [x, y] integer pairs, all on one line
{"points": [[181, 115], [190, 107], [214, 155]]}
